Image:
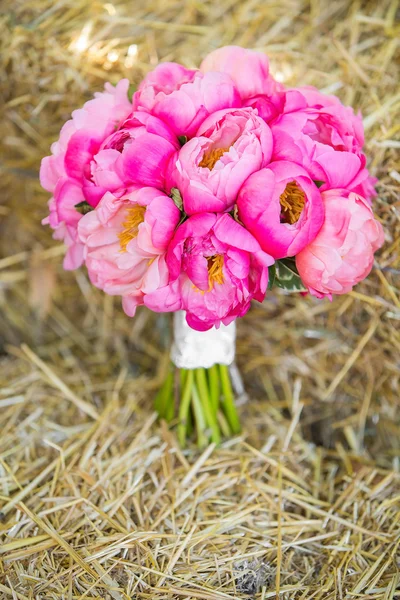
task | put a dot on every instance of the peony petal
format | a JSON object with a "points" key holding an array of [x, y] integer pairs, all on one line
{"points": [[230, 232], [340, 168], [82, 146], [150, 171], [249, 70]]}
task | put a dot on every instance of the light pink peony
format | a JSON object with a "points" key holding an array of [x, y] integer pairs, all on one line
{"points": [[116, 160], [282, 207], [248, 69], [342, 254], [183, 98], [210, 169], [216, 269], [125, 239], [325, 137], [81, 137], [92, 157], [63, 173], [63, 218], [366, 188]]}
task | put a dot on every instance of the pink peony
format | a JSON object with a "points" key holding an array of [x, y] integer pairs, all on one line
{"points": [[216, 269], [64, 171], [116, 160], [249, 70], [268, 107], [63, 218], [183, 98], [325, 137], [125, 240], [81, 137], [210, 169], [366, 188], [140, 150], [342, 254], [92, 158], [282, 207], [119, 162]]}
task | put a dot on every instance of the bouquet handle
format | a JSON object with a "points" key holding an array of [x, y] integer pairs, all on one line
{"points": [[197, 392]]}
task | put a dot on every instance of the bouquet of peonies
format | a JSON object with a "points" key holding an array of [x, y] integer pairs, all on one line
{"points": [[199, 193]]}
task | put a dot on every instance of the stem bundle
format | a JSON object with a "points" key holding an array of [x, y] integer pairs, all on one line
{"points": [[200, 401]]}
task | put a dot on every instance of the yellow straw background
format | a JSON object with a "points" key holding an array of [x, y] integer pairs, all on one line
{"points": [[97, 500]]}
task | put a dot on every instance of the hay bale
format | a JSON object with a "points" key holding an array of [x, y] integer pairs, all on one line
{"points": [[96, 499]]}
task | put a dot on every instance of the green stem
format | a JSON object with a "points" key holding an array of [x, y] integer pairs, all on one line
{"points": [[224, 425], [163, 397], [199, 418], [168, 398], [171, 401], [209, 413], [183, 373], [214, 387], [205, 402], [187, 377], [229, 402]]}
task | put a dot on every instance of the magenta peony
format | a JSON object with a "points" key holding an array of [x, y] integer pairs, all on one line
{"points": [[216, 269], [282, 208], [325, 137], [211, 168], [183, 98]]}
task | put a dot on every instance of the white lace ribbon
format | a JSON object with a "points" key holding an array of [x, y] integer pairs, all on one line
{"points": [[194, 349]]}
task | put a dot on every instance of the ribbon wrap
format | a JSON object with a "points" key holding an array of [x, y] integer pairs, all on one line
{"points": [[195, 349]]}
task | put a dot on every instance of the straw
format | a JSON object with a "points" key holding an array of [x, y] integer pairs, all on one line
{"points": [[98, 500]]}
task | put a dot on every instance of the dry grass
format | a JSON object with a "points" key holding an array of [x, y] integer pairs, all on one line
{"points": [[97, 499]]}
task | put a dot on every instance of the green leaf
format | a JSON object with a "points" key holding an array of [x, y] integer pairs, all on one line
{"points": [[318, 183], [177, 198], [287, 276], [271, 276], [183, 219], [182, 139], [290, 263], [83, 207]]}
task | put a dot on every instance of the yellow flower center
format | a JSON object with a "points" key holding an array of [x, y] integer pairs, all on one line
{"points": [[292, 202], [134, 217], [215, 274], [214, 266], [210, 158]]}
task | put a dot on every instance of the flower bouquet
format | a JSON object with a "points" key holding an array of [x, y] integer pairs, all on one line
{"points": [[199, 193]]}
